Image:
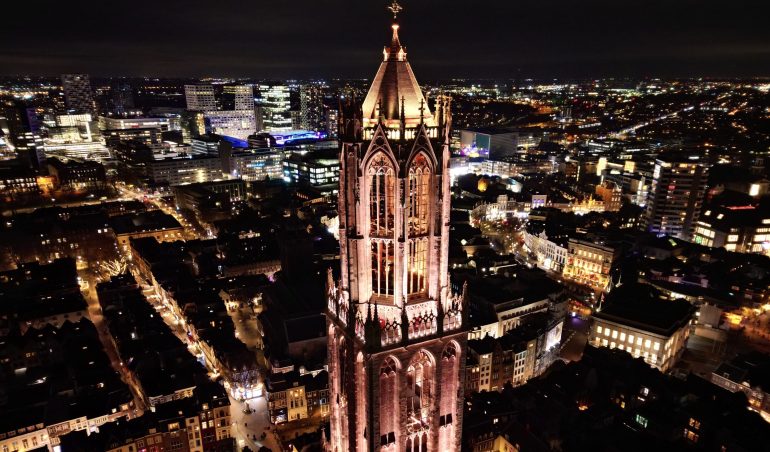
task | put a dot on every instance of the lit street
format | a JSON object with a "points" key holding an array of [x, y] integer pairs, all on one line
{"points": [[159, 203], [95, 315]]}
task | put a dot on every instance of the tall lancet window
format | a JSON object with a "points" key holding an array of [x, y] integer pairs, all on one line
{"points": [[449, 392], [417, 266], [382, 211], [419, 196], [383, 261], [417, 217], [389, 406], [419, 381], [382, 205]]}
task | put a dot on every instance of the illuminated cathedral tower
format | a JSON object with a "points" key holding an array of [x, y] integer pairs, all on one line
{"points": [[396, 331]]}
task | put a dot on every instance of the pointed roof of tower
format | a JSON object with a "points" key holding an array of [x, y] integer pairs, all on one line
{"points": [[395, 83]]}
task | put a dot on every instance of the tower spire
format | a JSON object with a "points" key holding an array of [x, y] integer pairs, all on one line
{"points": [[396, 50]]}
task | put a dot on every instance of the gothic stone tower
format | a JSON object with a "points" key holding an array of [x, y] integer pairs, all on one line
{"points": [[396, 332]]}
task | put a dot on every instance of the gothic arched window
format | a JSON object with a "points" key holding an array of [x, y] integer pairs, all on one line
{"points": [[449, 392], [418, 205], [389, 405], [418, 224], [417, 266], [383, 262], [420, 387], [382, 210], [382, 191]]}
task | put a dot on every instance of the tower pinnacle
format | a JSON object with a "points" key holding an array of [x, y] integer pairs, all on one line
{"points": [[395, 8]]}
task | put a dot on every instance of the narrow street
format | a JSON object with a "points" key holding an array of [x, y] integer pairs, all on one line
{"points": [[576, 330], [96, 317], [245, 426], [159, 203]]}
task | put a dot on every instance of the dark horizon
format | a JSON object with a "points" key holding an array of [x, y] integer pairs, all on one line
{"points": [[558, 39]]}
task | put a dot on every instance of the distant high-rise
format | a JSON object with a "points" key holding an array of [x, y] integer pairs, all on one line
{"points": [[29, 150], [219, 97], [311, 106], [332, 117], [122, 97], [276, 107], [237, 97], [200, 97], [20, 117], [77, 93], [296, 119], [233, 123], [676, 195], [223, 109]]}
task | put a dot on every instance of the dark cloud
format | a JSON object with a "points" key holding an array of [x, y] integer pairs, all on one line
{"points": [[343, 38]]}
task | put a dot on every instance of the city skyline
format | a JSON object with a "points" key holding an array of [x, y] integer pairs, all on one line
{"points": [[316, 39], [501, 261]]}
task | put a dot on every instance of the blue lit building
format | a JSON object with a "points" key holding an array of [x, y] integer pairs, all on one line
{"points": [[316, 172]]}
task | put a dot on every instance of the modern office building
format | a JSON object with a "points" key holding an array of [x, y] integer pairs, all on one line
{"points": [[184, 170], [496, 143], [332, 118], [296, 119], [122, 97], [135, 153], [634, 187], [311, 104], [237, 97], [89, 151], [275, 105], [165, 123], [201, 97], [84, 123], [313, 171], [20, 117], [152, 137], [232, 123], [740, 227], [77, 93], [255, 164], [209, 201], [30, 151], [676, 195], [206, 144], [206, 97]]}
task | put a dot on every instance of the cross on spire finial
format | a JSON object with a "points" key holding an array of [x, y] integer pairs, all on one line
{"points": [[395, 8]]}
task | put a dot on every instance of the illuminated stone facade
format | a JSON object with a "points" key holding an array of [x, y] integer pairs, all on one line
{"points": [[396, 332], [589, 262]]}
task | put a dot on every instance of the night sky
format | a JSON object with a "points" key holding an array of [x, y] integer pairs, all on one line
{"points": [[344, 38]]}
